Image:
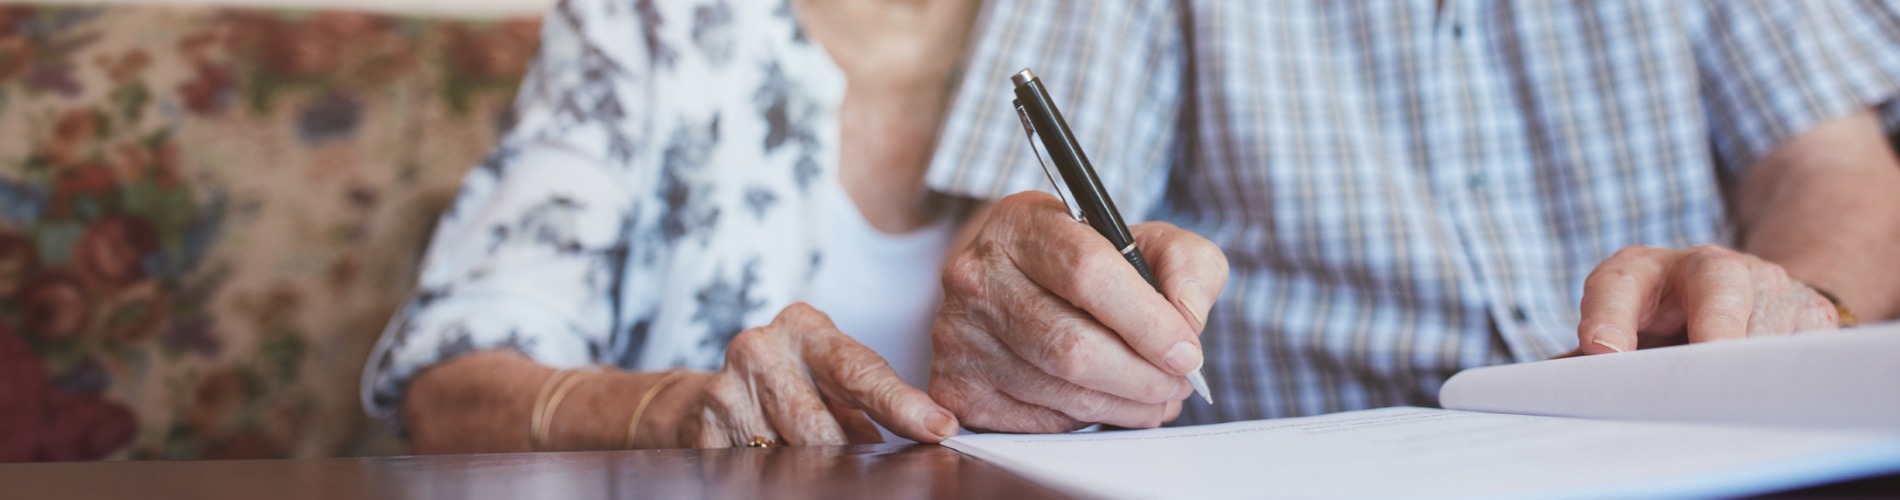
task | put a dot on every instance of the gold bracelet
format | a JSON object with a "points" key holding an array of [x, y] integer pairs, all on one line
{"points": [[554, 403], [633, 425], [541, 405]]}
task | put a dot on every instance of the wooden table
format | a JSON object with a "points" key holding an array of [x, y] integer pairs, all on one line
{"points": [[874, 471], [871, 471]]}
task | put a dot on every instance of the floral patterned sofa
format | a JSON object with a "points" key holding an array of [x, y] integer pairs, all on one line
{"points": [[207, 216]]}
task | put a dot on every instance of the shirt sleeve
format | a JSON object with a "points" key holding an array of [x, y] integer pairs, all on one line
{"points": [[526, 257], [1772, 69], [1115, 69]]}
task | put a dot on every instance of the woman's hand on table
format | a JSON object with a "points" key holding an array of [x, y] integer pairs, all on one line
{"points": [[799, 381], [796, 381]]}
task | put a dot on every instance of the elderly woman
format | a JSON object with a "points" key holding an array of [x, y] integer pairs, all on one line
{"points": [[642, 262]]}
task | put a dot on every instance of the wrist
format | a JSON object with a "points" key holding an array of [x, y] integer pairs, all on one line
{"points": [[1854, 292], [580, 421], [595, 413], [1842, 314], [667, 417]]}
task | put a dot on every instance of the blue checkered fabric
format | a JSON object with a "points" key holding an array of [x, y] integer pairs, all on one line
{"points": [[1407, 189]]}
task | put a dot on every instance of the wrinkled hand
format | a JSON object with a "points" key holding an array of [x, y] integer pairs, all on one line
{"points": [[1045, 327], [1650, 297], [800, 381]]}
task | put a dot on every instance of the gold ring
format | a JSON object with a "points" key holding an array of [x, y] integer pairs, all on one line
{"points": [[760, 442]]}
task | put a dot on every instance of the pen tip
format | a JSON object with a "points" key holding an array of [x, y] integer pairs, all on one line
{"points": [[1199, 382]]}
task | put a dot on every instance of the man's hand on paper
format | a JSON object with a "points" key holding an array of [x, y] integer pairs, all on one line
{"points": [[1045, 327], [1651, 297]]}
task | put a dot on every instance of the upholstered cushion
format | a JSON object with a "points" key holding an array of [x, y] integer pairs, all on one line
{"points": [[207, 216]]}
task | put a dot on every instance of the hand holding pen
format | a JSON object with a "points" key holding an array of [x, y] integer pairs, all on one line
{"points": [[1046, 326], [1079, 182]]}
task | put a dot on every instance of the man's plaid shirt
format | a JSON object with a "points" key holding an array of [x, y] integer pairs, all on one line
{"points": [[1406, 189]]}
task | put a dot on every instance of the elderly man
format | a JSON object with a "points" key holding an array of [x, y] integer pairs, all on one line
{"points": [[1402, 190]]}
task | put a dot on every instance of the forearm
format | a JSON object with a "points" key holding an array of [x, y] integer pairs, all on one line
{"points": [[1826, 207], [483, 403]]}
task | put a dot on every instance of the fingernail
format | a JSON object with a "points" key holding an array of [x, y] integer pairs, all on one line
{"points": [[1193, 299], [1606, 343], [1599, 335], [1184, 357], [943, 424]]}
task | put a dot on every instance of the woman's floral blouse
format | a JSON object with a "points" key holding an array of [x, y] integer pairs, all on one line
{"points": [[659, 194]]}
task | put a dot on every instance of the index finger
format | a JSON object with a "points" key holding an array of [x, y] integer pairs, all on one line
{"points": [[1193, 271], [850, 373], [1072, 261]]}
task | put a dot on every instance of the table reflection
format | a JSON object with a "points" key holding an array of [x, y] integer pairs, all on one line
{"points": [[877, 471]]}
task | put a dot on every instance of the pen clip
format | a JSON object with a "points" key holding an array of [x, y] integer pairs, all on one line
{"points": [[1029, 133]]}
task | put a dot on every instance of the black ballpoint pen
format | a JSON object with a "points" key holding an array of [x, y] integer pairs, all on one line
{"points": [[1041, 118]]}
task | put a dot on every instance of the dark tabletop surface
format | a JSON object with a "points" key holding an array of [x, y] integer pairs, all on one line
{"points": [[872, 471]]}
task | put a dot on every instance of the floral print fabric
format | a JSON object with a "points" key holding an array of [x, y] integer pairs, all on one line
{"points": [[656, 198], [207, 215]]}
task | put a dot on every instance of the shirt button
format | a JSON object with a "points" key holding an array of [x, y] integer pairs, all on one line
{"points": [[1518, 313], [1476, 181]]}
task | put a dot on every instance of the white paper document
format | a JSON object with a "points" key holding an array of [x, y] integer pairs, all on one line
{"points": [[1417, 452], [1848, 379]]}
